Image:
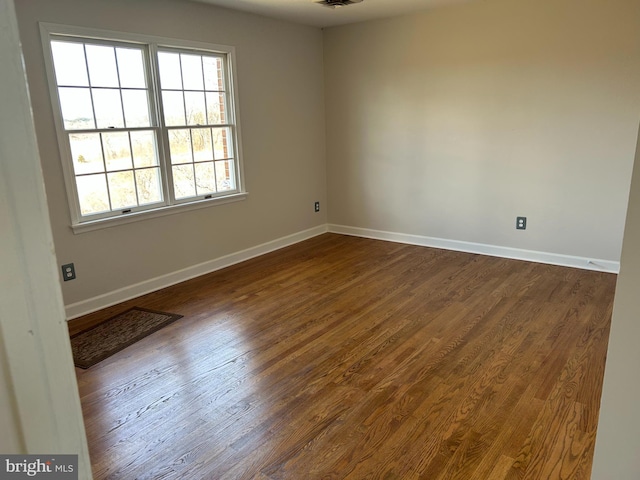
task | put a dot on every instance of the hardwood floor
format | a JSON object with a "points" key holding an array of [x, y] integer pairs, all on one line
{"points": [[349, 358]]}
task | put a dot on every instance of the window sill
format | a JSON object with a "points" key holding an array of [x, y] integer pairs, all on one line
{"points": [[158, 212]]}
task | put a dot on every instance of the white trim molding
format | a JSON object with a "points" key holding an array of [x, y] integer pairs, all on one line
{"points": [[92, 225], [84, 307], [114, 297], [41, 410], [482, 249]]}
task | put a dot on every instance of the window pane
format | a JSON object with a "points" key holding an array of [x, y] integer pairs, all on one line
{"points": [[136, 108], [192, 72], [69, 62], [225, 178], [170, 76], [215, 108], [173, 103], [121, 158], [122, 189], [108, 107], [76, 108], [144, 149], [180, 144], [117, 151], [221, 143], [148, 182], [202, 149], [196, 114], [205, 178], [183, 181], [102, 66], [213, 73], [131, 68], [92, 194], [86, 152]]}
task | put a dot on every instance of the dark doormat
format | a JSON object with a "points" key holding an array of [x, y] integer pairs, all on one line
{"points": [[103, 340]]}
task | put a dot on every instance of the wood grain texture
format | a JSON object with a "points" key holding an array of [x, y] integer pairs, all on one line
{"points": [[349, 358]]}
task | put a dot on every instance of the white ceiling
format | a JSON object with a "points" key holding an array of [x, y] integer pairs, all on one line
{"points": [[308, 12]]}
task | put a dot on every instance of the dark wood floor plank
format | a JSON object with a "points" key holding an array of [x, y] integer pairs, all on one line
{"points": [[342, 357]]}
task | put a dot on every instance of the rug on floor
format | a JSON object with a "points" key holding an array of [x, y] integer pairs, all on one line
{"points": [[103, 340]]}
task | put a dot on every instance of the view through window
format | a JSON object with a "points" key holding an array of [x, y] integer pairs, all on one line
{"points": [[143, 126]]}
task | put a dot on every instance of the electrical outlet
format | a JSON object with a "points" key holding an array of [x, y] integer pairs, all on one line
{"points": [[521, 223], [68, 272], [316, 207]]}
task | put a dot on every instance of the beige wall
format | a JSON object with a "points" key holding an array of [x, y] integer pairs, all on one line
{"points": [[280, 84], [451, 123], [618, 442]]}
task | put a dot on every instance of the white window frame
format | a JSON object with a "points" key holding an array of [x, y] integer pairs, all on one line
{"points": [[169, 205]]}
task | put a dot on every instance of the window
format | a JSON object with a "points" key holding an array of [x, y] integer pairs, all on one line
{"points": [[145, 125]]}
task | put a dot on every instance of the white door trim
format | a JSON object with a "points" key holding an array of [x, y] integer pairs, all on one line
{"points": [[38, 382]]}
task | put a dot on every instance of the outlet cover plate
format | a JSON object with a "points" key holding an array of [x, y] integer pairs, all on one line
{"points": [[68, 272], [521, 223]]}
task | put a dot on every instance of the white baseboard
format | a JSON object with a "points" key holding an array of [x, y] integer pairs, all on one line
{"points": [[483, 249], [114, 297], [78, 309]]}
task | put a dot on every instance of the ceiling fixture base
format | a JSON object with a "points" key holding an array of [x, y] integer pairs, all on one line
{"points": [[337, 3]]}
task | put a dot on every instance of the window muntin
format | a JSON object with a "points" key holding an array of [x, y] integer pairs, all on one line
{"points": [[142, 126]]}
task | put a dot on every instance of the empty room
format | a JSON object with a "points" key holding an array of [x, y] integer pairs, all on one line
{"points": [[291, 239]]}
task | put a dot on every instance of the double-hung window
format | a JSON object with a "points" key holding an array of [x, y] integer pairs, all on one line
{"points": [[145, 125]]}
